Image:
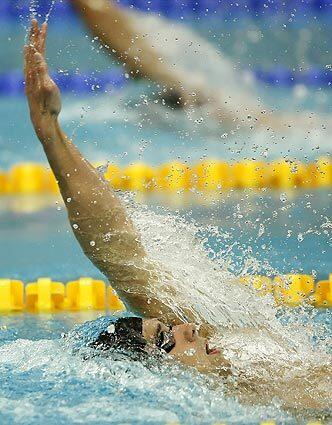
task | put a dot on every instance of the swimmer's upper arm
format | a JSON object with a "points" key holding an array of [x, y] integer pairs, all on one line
{"points": [[94, 209], [98, 217]]}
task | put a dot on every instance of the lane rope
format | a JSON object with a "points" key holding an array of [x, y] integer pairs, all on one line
{"points": [[16, 9], [12, 82], [86, 293], [206, 176]]}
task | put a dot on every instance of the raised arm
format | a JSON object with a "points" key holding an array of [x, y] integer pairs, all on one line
{"points": [[115, 30], [98, 218]]}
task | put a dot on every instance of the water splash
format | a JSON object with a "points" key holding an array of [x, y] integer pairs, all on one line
{"points": [[263, 351], [33, 9], [68, 390], [47, 16], [210, 287]]}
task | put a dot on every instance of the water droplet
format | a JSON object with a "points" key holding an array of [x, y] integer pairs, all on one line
{"points": [[283, 197], [111, 329], [190, 352], [261, 229], [92, 243], [68, 200], [75, 226]]}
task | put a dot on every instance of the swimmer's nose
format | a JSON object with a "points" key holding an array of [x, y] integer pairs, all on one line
{"points": [[188, 330]]}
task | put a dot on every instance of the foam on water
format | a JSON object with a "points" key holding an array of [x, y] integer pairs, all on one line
{"points": [[45, 373], [257, 343], [68, 389]]}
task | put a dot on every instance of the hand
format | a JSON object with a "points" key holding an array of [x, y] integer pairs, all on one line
{"points": [[43, 94]]}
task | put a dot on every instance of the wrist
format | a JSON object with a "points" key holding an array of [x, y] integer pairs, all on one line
{"points": [[46, 128]]}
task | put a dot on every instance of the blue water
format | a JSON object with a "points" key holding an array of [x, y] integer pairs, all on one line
{"points": [[291, 235], [41, 382], [268, 233]]}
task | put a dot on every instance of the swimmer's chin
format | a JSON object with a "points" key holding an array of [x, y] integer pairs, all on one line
{"points": [[213, 363]]}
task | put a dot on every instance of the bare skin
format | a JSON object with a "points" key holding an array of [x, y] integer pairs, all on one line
{"points": [[95, 211], [116, 31], [92, 205], [113, 28]]}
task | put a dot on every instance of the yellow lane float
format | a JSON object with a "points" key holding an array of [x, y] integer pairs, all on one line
{"points": [[250, 174], [173, 176], [323, 293], [3, 182], [208, 175], [289, 175], [263, 284], [293, 289], [321, 170], [86, 293], [113, 175], [11, 295], [138, 177], [113, 302], [211, 175], [27, 178], [44, 295]]}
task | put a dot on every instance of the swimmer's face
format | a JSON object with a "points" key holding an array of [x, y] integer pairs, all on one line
{"points": [[183, 343]]}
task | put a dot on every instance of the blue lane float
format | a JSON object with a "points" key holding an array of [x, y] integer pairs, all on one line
{"points": [[279, 76], [18, 9], [12, 83], [89, 83]]}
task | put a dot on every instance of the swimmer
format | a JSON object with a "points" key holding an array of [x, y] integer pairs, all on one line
{"points": [[149, 53], [110, 240]]}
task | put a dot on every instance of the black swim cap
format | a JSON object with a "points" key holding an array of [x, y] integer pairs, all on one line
{"points": [[124, 334]]}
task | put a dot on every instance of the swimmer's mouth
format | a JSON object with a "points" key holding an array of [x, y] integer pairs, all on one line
{"points": [[211, 351]]}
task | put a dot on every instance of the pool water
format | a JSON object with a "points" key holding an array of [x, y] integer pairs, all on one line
{"points": [[43, 380], [280, 232], [131, 124], [268, 232]]}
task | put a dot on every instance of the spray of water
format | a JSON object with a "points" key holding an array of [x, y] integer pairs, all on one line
{"points": [[100, 388], [47, 16], [261, 349], [33, 8], [190, 55]]}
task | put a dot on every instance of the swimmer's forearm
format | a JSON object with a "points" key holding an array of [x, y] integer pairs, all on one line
{"points": [[113, 27], [83, 190]]}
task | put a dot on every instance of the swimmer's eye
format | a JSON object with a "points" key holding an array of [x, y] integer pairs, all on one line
{"points": [[166, 341]]}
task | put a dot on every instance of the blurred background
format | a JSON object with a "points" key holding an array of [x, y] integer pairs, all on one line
{"points": [[280, 48]]}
